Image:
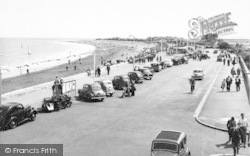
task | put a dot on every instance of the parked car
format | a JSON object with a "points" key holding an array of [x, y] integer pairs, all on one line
{"points": [[147, 65], [14, 113], [120, 81], [91, 92], [177, 60], [215, 52], [184, 60], [56, 102], [170, 143], [219, 58], [198, 74], [136, 76], [207, 51], [156, 66], [147, 74], [107, 87], [169, 62], [205, 56], [163, 64]]}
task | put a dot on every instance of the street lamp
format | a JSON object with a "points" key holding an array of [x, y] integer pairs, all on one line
{"points": [[133, 52], [0, 84], [94, 68]]}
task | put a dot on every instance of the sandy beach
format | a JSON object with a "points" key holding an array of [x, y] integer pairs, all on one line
{"points": [[108, 50]]}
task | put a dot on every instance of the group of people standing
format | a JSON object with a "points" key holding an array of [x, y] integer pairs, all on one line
{"points": [[128, 89], [237, 131], [57, 87], [228, 82]]}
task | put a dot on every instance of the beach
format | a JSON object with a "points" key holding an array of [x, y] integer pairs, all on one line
{"points": [[106, 50], [18, 55]]}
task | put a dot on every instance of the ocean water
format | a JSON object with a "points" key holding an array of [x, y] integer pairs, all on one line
{"points": [[18, 55]]}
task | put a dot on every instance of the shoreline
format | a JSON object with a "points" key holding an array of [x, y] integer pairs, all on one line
{"points": [[108, 50]]}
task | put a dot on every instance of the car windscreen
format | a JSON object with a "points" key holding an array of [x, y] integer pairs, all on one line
{"points": [[197, 71], [96, 87], [165, 146]]}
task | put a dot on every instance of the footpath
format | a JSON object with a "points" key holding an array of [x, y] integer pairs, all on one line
{"points": [[219, 106]]}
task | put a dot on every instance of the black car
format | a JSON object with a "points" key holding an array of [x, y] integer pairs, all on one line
{"points": [[91, 92], [121, 81], [136, 76], [14, 113]]}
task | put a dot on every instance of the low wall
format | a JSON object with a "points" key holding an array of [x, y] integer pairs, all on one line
{"points": [[246, 76]]}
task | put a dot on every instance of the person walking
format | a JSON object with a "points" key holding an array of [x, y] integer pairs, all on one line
{"points": [[233, 62], [88, 71], [237, 83], [233, 72], [238, 71], [224, 61], [108, 69], [98, 71], [228, 62], [229, 82], [230, 128], [223, 84], [133, 89], [243, 124], [235, 138]]}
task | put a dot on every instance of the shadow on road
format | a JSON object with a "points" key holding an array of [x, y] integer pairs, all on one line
{"points": [[226, 145]]}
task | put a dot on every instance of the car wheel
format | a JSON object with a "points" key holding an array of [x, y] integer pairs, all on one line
{"points": [[111, 94], [33, 117], [13, 124], [102, 100]]}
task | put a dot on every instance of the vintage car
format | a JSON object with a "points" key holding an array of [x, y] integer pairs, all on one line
{"points": [[219, 58], [56, 102], [107, 87], [147, 65], [156, 66], [184, 60], [163, 64], [147, 74], [215, 51], [169, 62], [91, 92], [120, 81], [177, 60], [136, 76], [170, 143], [205, 56], [198, 74], [14, 113]]}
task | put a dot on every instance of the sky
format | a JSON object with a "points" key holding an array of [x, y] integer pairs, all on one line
{"points": [[115, 18]]}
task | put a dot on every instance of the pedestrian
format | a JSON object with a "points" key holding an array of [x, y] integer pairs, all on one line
{"points": [[124, 89], [99, 71], [243, 124], [157, 59], [234, 62], [237, 83], [133, 89], [238, 71], [28, 71], [235, 138], [67, 68], [233, 72], [160, 58], [228, 62], [88, 71], [108, 69], [230, 128], [74, 67], [229, 82], [224, 61], [223, 84]]}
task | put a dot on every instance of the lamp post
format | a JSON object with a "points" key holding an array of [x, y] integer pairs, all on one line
{"points": [[0, 83], [94, 67], [133, 52]]}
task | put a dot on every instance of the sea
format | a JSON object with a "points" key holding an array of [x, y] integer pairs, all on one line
{"points": [[35, 54]]}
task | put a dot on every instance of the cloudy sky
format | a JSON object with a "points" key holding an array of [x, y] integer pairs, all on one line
{"points": [[110, 18]]}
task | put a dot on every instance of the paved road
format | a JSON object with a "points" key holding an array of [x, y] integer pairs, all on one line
{"points": [[126, 127]]}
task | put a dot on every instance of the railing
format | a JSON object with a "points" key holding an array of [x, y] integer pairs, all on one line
{"points": [[246, 76]]}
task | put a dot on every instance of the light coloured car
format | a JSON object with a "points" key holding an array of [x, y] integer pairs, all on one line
{"points": [[107, 87], [169, 62], [170, 143], [198, 74]]}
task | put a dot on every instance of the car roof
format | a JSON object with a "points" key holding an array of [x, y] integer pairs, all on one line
{"points": [[105, 80], [172, 136], [11, 104], [198, 69]]}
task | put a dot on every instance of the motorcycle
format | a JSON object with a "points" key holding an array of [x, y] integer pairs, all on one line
{"points": [[55, 103]]}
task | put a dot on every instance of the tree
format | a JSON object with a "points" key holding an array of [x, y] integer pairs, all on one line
{"points": [[224, 45]]}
